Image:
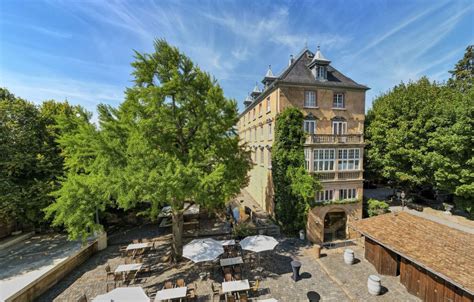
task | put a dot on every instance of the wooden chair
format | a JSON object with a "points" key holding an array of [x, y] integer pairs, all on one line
{"points": [[109, 272], [136, 241], [237, 277], [230, 298], [227, 277], [191, 295], [123, 251], [243, 297], [237, 269], [254, 285], [227, 270], [180, 283], [168, 285]]}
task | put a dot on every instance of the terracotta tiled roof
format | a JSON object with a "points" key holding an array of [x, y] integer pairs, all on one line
{"points": [[445, 251]]}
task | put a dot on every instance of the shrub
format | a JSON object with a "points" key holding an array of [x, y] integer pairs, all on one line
{"points": [[242, 230], [377, 207]]}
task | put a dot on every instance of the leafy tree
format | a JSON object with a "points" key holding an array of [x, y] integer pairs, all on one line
{"points": [[462, 76], [30, 160], [171, 141], [294, 186], [376, 207]]}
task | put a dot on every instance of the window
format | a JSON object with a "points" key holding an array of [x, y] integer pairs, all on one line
{"points": [[309, 126], [255, 134], [324, 159], [270, 131], [339, 127], [338, 100], [306, 159], [325, 195], [260, 109], [269, 104], [321, 72], [348, 159], [253, 113], [347, 194], [261, 132], [309, 99], [269, 159], [261, 156]]}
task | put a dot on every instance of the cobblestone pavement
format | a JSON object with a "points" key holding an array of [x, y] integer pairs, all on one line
{"points": [[326, 279], [353, 278]]}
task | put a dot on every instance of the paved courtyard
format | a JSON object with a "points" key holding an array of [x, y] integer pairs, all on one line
{"points": [[324, 279]]}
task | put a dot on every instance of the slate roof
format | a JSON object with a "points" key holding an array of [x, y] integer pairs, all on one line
{"points": [[299, 73], [446, 252]]}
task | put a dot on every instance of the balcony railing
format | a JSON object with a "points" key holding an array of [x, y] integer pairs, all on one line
{"points": [[340, 175], [335, 139]]}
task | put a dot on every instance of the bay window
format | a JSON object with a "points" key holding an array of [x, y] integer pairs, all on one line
{"points": [[348, 159], [347, 194], [324, 159]]}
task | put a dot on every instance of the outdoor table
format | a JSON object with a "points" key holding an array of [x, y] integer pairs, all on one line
{"points": [[139, 246], [296, 265], [235, 286], [268, 300], [228, 242], [126, 268], [231, 261], [171, 293], [123, 294]]}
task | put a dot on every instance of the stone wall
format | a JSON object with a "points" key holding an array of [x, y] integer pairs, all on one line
{"points": [[53, 276], [315, 224]]}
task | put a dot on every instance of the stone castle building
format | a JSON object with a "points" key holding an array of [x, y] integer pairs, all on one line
{"points": [[334, 110]]}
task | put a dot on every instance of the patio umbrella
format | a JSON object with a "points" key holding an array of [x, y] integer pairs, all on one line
{"points": [[200, 250], [258, 243], [124, 294]]}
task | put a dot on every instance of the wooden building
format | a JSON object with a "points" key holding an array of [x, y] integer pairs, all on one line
{"points": [[435, 262]]}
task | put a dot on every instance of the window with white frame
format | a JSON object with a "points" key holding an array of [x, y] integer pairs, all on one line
{"points": [[321, 72], [338, 100], [324, 159], [348, 159], [339, 127], [310, 99], [269, 158], [325, 195], [262, 160], [306, 158], [347, 194], [309, 126], [270, 131], [269, 104]]}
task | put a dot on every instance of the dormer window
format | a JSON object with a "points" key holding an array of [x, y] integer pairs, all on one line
{"points": [[321, 72]]}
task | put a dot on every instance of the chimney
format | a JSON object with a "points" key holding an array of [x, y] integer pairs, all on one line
{"points": [[291, 60]]}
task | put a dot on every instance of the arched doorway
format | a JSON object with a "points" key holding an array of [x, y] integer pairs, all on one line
{"points": [[335, 225]]}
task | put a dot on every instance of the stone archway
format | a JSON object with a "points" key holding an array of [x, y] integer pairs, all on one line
{"points": [[335, 225]]}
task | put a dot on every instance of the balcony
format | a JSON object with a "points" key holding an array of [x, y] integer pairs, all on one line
{"points": [[335, 139], [339, 175]]}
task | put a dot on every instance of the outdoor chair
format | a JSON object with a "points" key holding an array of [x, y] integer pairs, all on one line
{"points": [[109, 272], [237, 277], [243, 297], [123, 251], [254, 285], [180, 283], [237, 269], [216, 288], [130, 277], [227, 277], [168, 285], [227, 270], [82, 298], [230, 298], [191, 295]]}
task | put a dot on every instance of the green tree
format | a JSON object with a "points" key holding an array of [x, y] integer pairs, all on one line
{"points": [[171, 141], [30, 160], [294, 186], [462, 76]]}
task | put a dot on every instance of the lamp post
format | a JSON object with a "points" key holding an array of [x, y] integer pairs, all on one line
{"points": [[403, 199]]}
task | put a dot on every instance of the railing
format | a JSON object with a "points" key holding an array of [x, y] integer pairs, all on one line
{"points": [[335, 139], [343, 175]]}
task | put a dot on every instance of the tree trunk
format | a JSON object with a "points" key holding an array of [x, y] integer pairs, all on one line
{"points": [[177, 216]]}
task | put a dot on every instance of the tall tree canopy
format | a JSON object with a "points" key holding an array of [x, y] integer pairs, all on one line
{"points": [[171, 141], [294, 186], [422, 133], [30, 159]]}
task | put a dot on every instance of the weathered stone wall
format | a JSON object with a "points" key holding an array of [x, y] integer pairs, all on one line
{"points": [[315, 224], [53, 276]]}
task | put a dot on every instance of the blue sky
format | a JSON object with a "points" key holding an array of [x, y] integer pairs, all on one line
{"points": [[82, 50]]}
